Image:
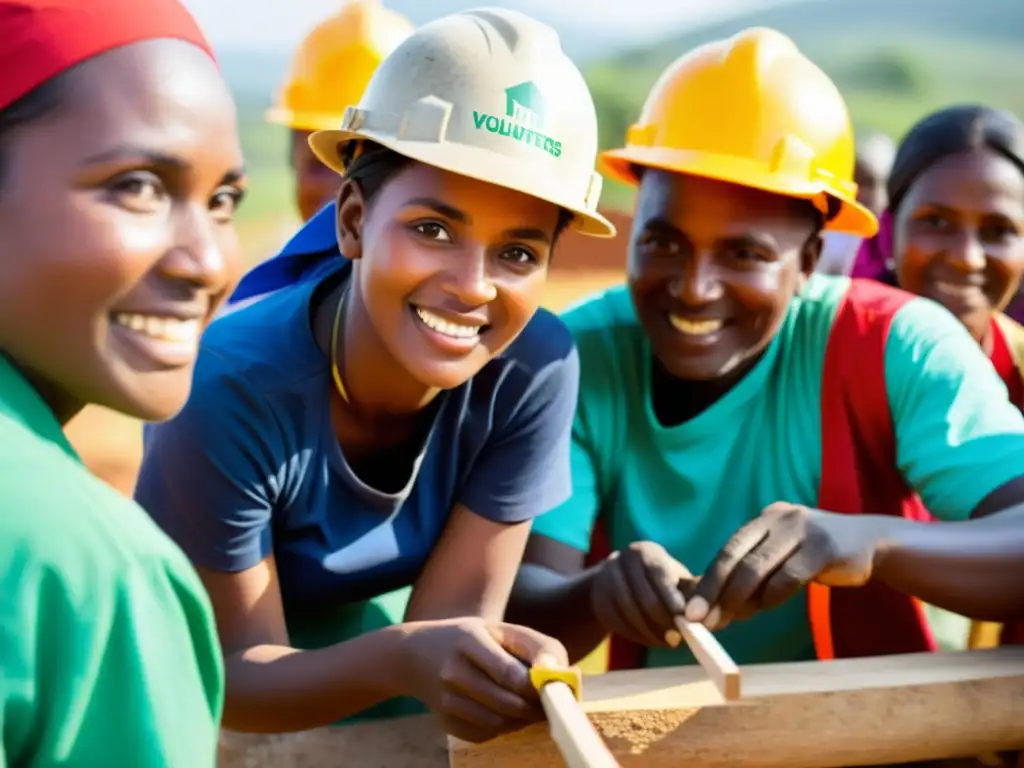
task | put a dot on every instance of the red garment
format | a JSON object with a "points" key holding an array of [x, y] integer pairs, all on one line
{"points": [[42, 38], [1006, 366], [859, 476]]}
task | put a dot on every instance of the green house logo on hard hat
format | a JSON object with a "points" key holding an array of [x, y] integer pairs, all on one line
{"points": [[524, 103], [524, 119]]}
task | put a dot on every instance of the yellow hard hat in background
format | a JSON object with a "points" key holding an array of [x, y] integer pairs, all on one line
{"points": [[750, 110], [334, 62], [489, 94]]}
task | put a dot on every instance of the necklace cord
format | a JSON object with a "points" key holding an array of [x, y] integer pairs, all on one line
{"points": [[335, 372]]}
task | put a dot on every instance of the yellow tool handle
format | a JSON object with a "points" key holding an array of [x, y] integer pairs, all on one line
{"points": [[560, 694]]}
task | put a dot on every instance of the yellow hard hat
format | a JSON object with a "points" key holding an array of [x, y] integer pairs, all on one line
{"points": [[750, 110], [334, 63], [489, 94]]}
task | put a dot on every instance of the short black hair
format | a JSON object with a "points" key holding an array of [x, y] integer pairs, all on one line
{"points": [[818, 217], [372, 167]]}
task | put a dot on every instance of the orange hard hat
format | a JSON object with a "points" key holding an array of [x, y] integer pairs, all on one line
{"points": [[750, 110], [334, 63]]}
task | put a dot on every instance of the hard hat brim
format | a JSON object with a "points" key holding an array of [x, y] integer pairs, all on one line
{"points": [[302, 121], [617, 164], [465, 160]]}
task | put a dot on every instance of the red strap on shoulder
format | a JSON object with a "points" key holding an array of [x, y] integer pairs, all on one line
{"points": [[856, 420], [859, 476], [1005, 365]]}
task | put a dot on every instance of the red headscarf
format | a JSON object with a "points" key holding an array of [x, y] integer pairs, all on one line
{"points": [[39, 39]]}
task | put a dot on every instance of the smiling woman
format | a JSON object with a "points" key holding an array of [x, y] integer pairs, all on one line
{"points": [[396, 416], [120, 171], [958, 225], [144, 182]]}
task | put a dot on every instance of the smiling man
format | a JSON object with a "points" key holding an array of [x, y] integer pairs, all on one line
{"points": [[769, 430]]}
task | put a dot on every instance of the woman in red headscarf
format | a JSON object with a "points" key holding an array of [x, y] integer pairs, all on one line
{"points": [[120, 170]]}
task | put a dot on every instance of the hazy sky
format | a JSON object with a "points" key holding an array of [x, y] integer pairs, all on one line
{"points": [[281, 23]]}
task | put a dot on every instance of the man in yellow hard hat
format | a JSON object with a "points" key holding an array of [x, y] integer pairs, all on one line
{"points": [[771, 430], [329, 72]]}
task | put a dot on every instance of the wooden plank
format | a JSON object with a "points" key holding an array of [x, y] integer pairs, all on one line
{"points": [[577, 741], [405, 742], [560, 690], [809, 715], [712, 657]]}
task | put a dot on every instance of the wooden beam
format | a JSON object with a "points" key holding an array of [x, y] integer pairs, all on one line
{"points": [[571, 730], [560, 690], [713, 657], [810, 715], [406, 742]]}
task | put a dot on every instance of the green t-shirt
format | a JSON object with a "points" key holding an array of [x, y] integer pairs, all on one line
{"points": [[692, 486], [108, 652], [345, 621]]}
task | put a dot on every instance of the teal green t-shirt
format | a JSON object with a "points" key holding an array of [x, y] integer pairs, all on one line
{"points": [[108, 652], [692, 486]]}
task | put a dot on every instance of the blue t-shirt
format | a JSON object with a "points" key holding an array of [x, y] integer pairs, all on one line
{"points": [[252, 467], [300, 257]]}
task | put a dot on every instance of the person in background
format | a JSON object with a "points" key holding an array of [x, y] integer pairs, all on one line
{"points": [[750, 435], [956, 235], [874, 155], [329, 72], [875, 152], [396, 408], [120, 172], [954, 227], [957, 225]]}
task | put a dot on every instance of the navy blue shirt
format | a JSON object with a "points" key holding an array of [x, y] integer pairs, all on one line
{"points": [[251, 466]]}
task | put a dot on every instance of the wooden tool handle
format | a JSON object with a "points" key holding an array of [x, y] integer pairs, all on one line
{"points": [[571, 730], [712, 657]]}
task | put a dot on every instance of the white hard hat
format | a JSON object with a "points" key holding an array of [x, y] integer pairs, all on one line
{"points": [[489, 94]]}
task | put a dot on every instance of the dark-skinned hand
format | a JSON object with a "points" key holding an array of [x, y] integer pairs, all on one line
{"points": [[637, 592], [773, 557], [474, 674]]}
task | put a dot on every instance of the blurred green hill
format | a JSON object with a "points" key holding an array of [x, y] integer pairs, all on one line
{"points": [[894, 60]]}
